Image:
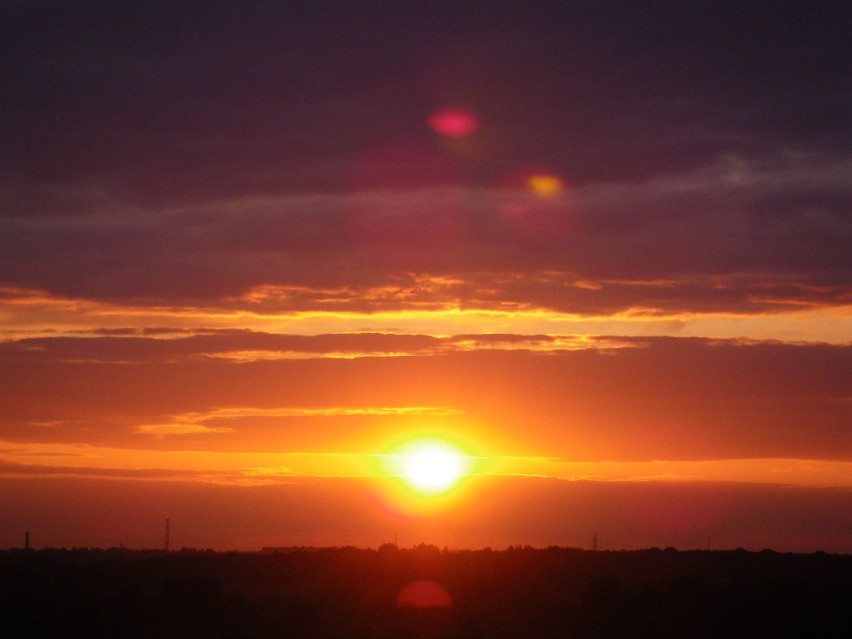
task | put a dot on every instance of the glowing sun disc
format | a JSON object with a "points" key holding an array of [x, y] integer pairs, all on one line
{"points": [[431, 466]]}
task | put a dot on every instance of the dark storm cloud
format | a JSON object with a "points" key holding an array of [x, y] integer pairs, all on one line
{"points": [[179, 102], [735, 235], [180, 153]]}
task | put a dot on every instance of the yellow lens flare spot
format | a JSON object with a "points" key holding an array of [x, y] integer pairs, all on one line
{"points": [[545, 185]]}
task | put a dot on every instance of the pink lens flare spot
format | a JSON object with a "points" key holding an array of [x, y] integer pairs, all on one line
{"points": [[424, 594], [453, 123]]}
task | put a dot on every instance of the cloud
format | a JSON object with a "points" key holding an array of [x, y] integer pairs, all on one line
{"points": [[618, 399], [128, 346], [178, 428], [738, 235], [201, 100], [144, 176], [33, 315], [29, 471], [197, 423]]}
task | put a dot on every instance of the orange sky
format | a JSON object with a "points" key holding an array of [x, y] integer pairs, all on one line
{"points": [[258, 411], [611, 264]]}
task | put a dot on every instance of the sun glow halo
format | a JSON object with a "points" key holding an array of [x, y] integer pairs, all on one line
{"points": [[431, 467]]}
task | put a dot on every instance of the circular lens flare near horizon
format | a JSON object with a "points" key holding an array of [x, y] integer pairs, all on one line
{"points": [[422, 594]]}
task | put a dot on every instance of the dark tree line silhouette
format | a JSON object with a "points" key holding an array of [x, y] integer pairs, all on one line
{"points": [[351, 593]]}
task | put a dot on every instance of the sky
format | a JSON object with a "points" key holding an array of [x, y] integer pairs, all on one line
{"points": [[249, 249]]}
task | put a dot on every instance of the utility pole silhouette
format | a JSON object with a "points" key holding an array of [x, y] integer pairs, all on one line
{"points": [[167, 535]]}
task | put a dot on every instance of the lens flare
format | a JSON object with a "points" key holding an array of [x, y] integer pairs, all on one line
{"points": [[424, 594], [453, 123], [538, 205], [545, 185]]}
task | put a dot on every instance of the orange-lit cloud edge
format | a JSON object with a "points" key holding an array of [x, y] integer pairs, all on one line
{"points": [[28, 314]]}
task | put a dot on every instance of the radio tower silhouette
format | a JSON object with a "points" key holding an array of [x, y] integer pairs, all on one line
{"points": [[167, 535]]}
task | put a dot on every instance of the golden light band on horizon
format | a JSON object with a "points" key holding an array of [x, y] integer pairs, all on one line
{"points": [[250, 468]]}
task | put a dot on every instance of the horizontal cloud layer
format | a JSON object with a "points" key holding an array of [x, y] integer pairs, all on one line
{"points": [[739, 237], [581, 399]]}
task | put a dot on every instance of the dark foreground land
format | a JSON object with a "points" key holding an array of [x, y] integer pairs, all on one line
{"points": [[347, 592]]}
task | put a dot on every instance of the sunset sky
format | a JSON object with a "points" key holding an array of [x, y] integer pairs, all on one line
{"points": [[248, 250]]}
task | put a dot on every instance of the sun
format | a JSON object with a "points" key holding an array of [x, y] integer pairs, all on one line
{"points": [[426, 472], [431, 466]]}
